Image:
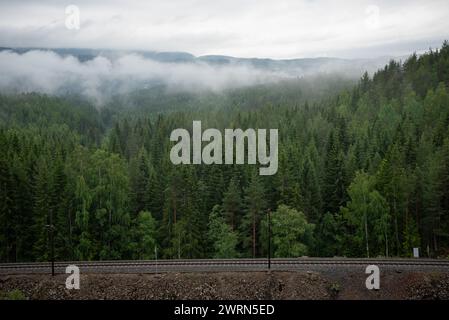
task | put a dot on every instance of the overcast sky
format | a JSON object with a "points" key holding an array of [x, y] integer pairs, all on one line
{"points": [[255, 28]]}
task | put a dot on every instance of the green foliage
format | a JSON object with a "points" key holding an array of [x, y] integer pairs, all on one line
{"points": [[367, 165], [224, 240], [327, 236], [232, 203], [367, 217], [291, 233], [255, 205], [144, 236], [15, 294]]}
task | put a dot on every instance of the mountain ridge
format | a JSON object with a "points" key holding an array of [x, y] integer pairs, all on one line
{"points": [[295, 65]]}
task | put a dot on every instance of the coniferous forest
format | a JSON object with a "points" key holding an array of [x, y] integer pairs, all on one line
{"points": [[363, 171]]}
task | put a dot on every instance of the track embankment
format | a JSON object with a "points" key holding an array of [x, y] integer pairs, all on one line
{"points": [[232, 279]]}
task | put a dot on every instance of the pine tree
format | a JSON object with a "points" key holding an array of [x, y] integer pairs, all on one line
{"points": [[255, 208], [140, 175], [232, 203], [84, 249], [43, 210], [334, 189]]}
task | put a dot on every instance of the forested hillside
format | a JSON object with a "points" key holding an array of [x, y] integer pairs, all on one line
{"points": [[364, 172]]}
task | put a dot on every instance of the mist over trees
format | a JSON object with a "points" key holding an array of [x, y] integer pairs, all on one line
{"points": [[363, 171], [103, 76]]}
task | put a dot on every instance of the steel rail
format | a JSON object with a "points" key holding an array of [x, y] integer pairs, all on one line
{"points": [[231, 263]]}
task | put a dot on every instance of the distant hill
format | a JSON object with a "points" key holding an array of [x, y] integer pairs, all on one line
{"points": [[297, 67]]}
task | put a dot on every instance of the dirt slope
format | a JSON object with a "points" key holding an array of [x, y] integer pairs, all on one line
{"points": [[232, 285]]}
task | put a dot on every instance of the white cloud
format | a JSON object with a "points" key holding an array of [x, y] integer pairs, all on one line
{"points": [[47, 72], [263, 28]]}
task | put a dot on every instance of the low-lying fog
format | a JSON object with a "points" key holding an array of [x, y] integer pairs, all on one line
{"points": [[45, 71]]}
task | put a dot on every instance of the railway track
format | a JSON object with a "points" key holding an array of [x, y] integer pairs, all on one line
{"points": [[153, 266]]}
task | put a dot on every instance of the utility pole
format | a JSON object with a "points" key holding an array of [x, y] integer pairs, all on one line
{"points": [[269, 238], [155, 255]]}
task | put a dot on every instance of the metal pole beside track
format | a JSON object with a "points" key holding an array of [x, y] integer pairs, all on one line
{"points": [[269, 238]]}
